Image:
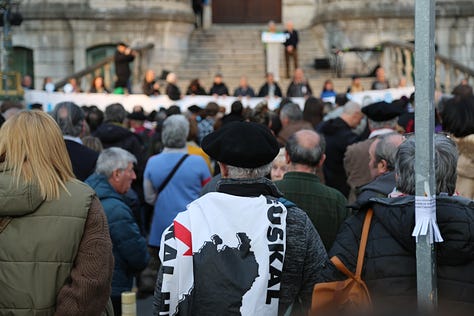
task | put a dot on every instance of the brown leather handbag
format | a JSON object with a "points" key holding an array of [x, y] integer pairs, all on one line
{"points": [[347, 297]]}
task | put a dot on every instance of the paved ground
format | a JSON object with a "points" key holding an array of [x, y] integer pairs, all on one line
{"points": [[145, 307]]}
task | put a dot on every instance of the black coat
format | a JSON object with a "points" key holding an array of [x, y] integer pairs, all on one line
{"points": [[149, 89], [219, 89], [122, 68], [83, 159], [381, 186], [173, 92], [291, 39], [338, 136], [264, 91], [114, 135], [390, 264]]}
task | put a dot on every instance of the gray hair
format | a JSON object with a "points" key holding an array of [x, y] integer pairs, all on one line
{"points": [[351, 108], [292, 111], [392, 123], [446, 160], [175, 131], [249, 173], [304, 155], [70, 118], [113, 158], [115, 112], [386, 149]]}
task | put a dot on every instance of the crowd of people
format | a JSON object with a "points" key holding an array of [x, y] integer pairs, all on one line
{"points": [[214, 212]]}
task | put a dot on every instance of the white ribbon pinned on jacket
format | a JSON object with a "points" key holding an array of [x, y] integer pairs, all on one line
{"points": [[425, 219]]}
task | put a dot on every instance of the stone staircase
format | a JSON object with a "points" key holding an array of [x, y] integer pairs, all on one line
{"points": [[236, 50]]}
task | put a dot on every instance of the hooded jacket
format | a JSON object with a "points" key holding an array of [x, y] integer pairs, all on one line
{"points": [[338, 136], [390, 259], [115, 135], [129, 246]]}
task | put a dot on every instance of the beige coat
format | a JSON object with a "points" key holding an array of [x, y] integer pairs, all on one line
{"points": [[356, 164]]}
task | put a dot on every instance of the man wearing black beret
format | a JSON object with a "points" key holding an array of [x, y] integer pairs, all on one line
{"points": [[382, 119], [243, 240]]}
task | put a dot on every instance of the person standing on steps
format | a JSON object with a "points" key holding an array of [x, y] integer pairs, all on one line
{"points": [[124, 55], [291, 47]]}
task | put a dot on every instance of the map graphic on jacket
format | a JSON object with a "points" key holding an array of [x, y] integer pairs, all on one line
{"points": [[232, 269]]}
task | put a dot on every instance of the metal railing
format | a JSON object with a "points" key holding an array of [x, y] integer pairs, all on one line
{"points": [[398, 61], [103, 68]]}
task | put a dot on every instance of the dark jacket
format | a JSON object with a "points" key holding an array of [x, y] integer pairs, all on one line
{"points": [[338, 136], [129, 246], [122, 68], [173, 92], [149, 89], [83, 159], [390, 264], [292, 38], [325, 206], [298, 90], [197, 91], [380, 187], [232, 117], [244, 92], [115, 135], [219, 89], [264, 91]]}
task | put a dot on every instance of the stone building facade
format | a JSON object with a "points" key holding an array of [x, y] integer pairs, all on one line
{"points": [[60, 37], [59, 34]]}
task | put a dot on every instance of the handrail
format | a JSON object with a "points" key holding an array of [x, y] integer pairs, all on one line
{"points": [[90, 69]]}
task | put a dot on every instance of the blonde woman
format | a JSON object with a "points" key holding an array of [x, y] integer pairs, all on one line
{"points": [[55, 249]]}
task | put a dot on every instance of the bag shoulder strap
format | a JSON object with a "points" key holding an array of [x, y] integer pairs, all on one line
{"points": [[171, 174], [360, 257], [4, 221], [363, 242], [341, 267]]}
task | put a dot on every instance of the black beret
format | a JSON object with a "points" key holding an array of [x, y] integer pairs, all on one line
{"points": [[242, 144], [382, 111], [194, 109], [137, 116]]}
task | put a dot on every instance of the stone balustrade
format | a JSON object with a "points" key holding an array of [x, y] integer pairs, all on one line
{"points": [[398, 61]]}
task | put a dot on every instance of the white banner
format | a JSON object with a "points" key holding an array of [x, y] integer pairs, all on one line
{"points": [[49, 100]]}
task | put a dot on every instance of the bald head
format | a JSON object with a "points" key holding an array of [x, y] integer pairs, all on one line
{"points": [[307, 138], [306, 147]]}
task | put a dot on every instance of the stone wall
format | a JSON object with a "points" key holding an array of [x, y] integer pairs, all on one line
{"points": [[59, 33], [367, 23], [300, 12]]}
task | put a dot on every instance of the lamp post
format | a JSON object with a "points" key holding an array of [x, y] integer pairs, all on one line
{"points": [[6, 42], [8, 19]]}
